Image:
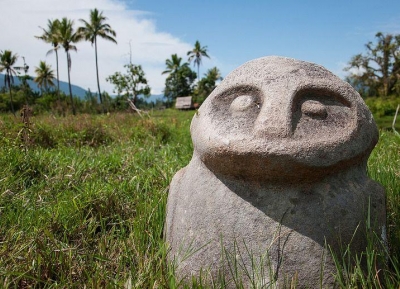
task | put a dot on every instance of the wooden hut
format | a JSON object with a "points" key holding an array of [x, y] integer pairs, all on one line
{"points": [[184, 102]]}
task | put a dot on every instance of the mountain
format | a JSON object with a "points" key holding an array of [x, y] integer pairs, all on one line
{"points": [[76, 90], [154, 98]]}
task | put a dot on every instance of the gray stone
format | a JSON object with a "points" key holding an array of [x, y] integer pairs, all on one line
{"points": [[278, 171]]}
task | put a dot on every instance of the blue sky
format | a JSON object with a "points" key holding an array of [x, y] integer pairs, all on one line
{"points": [[325, 32]]}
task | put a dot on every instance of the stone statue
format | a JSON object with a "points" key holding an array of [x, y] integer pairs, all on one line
{"points": [[278, 176]]}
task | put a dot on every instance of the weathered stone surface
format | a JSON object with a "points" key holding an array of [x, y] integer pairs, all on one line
{"points": [[279, 167]]}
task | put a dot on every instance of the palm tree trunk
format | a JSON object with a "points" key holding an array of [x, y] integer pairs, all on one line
{"points": [[58, 88], [97, 73], [69, 83], [11, 99]]}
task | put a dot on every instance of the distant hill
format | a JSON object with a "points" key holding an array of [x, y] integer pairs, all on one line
{"points": [[76, 90], [154, 98]]}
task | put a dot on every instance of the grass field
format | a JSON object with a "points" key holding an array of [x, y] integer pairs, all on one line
{"points": [[82, 200]]}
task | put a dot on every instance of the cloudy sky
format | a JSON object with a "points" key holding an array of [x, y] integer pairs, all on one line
{"points": [[326, 32]]}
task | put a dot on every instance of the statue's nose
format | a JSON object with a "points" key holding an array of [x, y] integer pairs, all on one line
{"points": [[274, 119]]}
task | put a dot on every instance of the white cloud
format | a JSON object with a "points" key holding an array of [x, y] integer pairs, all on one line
{"points": [[21, 19]]}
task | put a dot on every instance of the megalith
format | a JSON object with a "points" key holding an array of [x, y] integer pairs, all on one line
{"points": [[278, 176]]}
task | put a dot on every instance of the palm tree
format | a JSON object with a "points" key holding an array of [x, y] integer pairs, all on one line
{"points": [[67, 37], [208, 83], [213, 75], [96, 27], [197, 53], [174, 64], [173, 67], [45, 76], [7, 61], [51, 35]]}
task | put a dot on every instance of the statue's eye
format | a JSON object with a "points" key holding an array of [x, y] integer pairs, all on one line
{"points": [[236, 108], [243, 103], [320, 112], [314, 109]]}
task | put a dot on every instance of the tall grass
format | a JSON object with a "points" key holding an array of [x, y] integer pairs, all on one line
{"points": [[384, 167], [85, 203], [82, 202]]}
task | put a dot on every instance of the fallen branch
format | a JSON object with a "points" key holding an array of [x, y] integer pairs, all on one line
{"points": [[394, 119], [134, 108]]}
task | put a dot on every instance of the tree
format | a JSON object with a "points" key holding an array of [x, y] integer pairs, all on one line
{"points": [[51, 35], [196, 54], [67, 36], [174, 64], [96, 27], [7, 61], [44, 76], [180, 79], [131, 84], [208, 83], [180, 83], [377, 71]]}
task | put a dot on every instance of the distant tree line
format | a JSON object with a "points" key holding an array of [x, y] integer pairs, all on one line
{"points": [[60, 33], [181, 79], [59, 103], [375, 73]]}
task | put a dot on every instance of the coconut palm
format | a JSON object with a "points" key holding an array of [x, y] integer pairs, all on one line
{"points": [[96, 27], [67, 36], [196, 54], [7, 61], [173, 67], [180, 79], [51, 35], [213, 75], [208, 83], [45, 76], [174, 64]]}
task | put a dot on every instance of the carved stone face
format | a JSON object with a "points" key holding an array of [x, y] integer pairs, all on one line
{"points": [[275, 118]]}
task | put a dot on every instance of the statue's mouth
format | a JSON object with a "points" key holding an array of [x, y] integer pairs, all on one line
{"points": [[252, 167]]}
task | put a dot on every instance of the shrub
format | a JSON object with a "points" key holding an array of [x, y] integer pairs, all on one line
{"points": [[42, 136], [381, 106]]}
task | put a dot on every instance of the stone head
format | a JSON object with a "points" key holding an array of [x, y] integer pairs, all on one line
{"points": [[281, 119]]}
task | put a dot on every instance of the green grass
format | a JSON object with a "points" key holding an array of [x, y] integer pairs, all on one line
{"points": [[384, 167], [82, 201], [85, 204]]}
